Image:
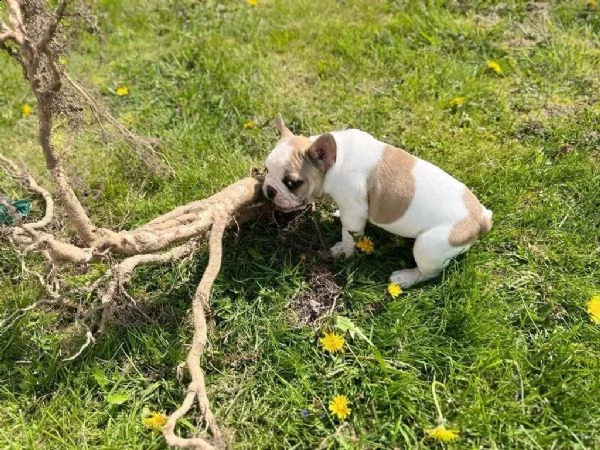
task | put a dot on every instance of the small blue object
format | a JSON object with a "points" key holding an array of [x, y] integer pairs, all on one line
{"points": [[22, 206]]}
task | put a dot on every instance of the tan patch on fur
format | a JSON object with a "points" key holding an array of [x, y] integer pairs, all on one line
{"points": [[467, 230], [300, 143], [297, 160], [391, 186], [301, 168]]}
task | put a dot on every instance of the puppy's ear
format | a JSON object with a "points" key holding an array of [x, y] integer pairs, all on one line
{"points": [[280, 124], [323, 152]]}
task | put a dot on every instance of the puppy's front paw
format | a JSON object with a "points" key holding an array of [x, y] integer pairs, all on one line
{"points": [[341, 248], [406, 278]]}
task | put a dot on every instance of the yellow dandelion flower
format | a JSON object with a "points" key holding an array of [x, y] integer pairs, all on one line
{"points": [[365, 244], [494, 67], [339, 406], [122, 90], [457, 102], [156, 421], [332, 342], [26, 110], [443, 434], [252, 2], [590, 2], [593, 308], [394, 289], [248, 124]]}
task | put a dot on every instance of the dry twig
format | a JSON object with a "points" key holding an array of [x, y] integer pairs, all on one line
{"points": [[153, 159]]}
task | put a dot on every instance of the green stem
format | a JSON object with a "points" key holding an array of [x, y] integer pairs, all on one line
{"points": [[440, 418]]}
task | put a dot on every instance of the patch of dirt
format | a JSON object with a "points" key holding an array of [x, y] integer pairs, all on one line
{"points": [[300, 235], [536, 120], [318, 300], [556, 109], [237, 360], [301, 240], [532, 30], [532, 128], [522, 42], [487, 20]]}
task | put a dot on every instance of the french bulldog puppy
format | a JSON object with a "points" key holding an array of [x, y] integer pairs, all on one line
{"points": [[371, 180]]}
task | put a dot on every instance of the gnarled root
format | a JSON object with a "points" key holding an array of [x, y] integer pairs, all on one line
{"points": [[197, 388], [184, 226]]}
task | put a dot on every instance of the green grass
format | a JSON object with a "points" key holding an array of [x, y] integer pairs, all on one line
{"points": [[505, 330]]}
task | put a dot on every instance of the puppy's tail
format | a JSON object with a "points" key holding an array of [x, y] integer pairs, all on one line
{"points": [[486, 221]]}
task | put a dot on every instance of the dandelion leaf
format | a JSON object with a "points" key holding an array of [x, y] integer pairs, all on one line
{"points": [[346, 325]]}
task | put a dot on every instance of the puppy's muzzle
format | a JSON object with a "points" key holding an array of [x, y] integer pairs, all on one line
{"points": [[270, 192]]}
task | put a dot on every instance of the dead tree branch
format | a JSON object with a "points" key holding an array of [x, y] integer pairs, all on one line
{"points": [[44, 78], [170, 237], [42, 45]]}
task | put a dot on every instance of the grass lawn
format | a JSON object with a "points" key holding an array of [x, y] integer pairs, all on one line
{"points": [[505, 331]]}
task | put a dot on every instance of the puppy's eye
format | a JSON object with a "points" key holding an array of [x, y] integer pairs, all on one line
{"points": [[292, 184]]}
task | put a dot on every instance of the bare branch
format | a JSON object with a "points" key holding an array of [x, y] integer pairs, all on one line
{"points": [[14, 169], [32, 185], [158, 162], [42, 45], [75, 211], [11, 51], [10, 320], [60, 252], [52, 289], [121, 274], [5, 34], [16, 21]]}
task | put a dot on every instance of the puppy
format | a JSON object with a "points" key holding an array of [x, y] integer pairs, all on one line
{"points": [[371, 180]]}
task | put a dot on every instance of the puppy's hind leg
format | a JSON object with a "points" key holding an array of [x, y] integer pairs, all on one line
{"points": [[433, 253]]}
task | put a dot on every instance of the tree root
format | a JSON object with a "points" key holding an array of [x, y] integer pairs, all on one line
{"points": [[197, 388], [122, 273], [170, 237], [234, 205]]}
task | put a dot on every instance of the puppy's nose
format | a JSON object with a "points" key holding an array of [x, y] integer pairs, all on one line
{"points": [[271, 192]]}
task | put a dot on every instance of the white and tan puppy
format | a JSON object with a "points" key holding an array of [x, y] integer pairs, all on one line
{"points": [[371, 180]]}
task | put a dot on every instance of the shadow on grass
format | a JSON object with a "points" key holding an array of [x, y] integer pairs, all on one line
{"points": [[154, 331]]}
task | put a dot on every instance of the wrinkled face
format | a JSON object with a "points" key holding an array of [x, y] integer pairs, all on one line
{"points": [[293, 180]]}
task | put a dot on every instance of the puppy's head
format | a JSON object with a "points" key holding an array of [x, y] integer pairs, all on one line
{"points": [[296, 168]]}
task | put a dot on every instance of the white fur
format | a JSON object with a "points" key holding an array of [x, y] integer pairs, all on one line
{"points": [[436, 206], [438, 199], [346, 183]]}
